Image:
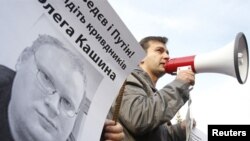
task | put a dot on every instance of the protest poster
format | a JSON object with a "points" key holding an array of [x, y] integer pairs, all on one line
{"points": [[94, 34]]}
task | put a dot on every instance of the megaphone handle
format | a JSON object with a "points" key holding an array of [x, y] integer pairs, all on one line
{"points": [[185, 68]]}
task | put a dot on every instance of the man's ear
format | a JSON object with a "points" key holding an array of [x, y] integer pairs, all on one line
{"points": [[142, 61], [26, 53]]}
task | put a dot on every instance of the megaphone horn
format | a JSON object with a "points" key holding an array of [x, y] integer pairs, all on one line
{"points": [[232, 60]]}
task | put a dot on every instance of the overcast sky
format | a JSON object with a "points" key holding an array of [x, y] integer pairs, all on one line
{"points": [[195, 27]]}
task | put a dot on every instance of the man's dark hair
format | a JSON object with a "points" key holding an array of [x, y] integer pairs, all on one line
{"points": [[144, 41]]}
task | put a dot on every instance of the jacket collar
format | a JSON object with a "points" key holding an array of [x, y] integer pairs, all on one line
{"points": [[145, 76]]}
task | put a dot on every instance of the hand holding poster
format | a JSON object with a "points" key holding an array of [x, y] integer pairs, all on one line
{"points": [[78, 55]]}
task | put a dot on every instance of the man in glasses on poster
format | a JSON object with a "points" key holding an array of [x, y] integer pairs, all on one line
{"points": [[41, 100]]}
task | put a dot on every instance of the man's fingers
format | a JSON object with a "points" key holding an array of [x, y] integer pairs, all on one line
{"points": [[114, 137]]}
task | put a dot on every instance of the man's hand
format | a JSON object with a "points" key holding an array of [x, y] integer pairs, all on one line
{"points": [[112, 131], [186, 76], [184, 124]]}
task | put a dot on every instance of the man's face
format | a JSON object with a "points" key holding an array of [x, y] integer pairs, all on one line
{"points": [[157, 55], [47, 90]]}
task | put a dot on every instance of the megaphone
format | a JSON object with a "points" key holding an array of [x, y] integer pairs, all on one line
{"points": [[232, 60]]}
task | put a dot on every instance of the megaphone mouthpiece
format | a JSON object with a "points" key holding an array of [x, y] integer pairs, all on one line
{"points": [[173, 64]]}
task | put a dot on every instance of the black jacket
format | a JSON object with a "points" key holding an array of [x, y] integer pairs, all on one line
{"points": [[6, 79]]}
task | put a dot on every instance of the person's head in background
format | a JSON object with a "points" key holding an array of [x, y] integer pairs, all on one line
{"points": [[47, 91]]}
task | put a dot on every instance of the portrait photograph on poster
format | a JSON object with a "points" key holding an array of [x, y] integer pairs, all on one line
{"points": [[61, 71]]}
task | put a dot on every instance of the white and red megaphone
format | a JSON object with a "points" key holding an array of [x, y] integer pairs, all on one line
{"points": [[232, 60]]}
